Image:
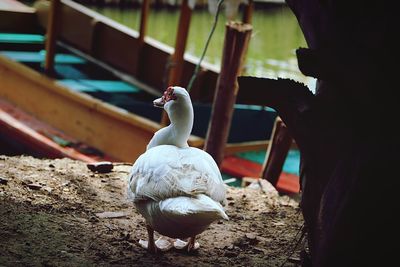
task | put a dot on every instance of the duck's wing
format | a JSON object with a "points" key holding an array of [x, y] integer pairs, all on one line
{"points": [[167, 171], [210, 177]]}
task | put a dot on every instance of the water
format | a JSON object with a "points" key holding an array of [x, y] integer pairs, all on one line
{"points": [[271, 52]]}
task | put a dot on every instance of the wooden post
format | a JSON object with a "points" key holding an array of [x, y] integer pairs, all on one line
{"points": [[237, 37], [177, 60], [144, 15], [248, 12], [51, 36], [277, 151]]}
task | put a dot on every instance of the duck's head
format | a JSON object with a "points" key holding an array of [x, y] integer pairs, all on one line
{"points": [[173, 94]]}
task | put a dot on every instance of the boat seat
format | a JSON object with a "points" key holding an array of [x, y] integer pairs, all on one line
{"points": [[107, 86], [21, 42], [65, 71], [21, 38], [39, 57]]}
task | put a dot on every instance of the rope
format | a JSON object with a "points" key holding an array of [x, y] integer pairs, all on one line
{"points": [[196, 70]]}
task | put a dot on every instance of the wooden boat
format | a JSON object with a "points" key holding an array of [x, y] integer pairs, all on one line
{"points": [[103, 83]]}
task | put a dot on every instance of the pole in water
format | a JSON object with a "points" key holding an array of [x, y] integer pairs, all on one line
{"points": [[51, 36], [236, 41]]}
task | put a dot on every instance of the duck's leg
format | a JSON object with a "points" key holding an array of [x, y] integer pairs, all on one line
{"points": [[151, 245], [191, 244]]}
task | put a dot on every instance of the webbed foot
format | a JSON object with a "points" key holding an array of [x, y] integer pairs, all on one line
{"points": [[189, 246]]}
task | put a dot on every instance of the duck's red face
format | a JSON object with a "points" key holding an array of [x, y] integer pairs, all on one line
{"points": [[167, 96]]}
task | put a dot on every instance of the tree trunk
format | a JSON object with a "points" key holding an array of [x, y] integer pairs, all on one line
{"points": [[346, 132]]}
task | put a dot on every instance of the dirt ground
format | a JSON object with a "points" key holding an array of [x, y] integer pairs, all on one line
{"points": [[59, 213]]}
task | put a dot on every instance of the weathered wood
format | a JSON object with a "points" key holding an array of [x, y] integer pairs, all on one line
{"points": [[236, 41], [293, 101], [348, 147], [51, 36], [277, 152]]}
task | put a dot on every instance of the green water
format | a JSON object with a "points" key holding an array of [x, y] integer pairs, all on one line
{"points": [[271, 53]]}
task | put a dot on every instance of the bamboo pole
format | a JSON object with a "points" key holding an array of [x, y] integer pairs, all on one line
{"points": [[237, 37], [51, 36], [177, 59], [277, 151], [144, 15]]}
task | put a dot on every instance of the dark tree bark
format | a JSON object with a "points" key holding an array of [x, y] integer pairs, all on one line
{"points": [[346, 132]]}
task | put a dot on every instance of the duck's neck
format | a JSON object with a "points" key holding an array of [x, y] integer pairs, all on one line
{"points": [[181, 117], [179, 130]]}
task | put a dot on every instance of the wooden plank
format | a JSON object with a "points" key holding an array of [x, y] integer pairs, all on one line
{"points": [[13, 5], [232, 148], [17, 130], [239, 167]]}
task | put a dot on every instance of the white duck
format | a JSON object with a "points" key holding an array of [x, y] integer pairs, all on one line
{"points": [[178, 189]]}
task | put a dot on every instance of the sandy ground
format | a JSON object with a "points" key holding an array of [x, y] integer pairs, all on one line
{"points": [[59, 213]]}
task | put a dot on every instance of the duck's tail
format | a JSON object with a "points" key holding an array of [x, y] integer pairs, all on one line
{"points": [[200, 206]]}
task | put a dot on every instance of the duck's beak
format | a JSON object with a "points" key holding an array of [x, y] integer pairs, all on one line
{"points": [[159, 102], [167, 96]]}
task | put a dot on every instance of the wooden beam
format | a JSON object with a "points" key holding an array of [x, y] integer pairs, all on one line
{"points": [[236, 41], [51, 36], [233, 148], [277, 152]]}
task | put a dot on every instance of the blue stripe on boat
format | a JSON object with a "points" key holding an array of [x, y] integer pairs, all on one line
{"points": [[39, 57], [21, 38], [108, 86]]}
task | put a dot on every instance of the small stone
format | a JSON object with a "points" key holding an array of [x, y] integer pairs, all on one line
{"points": [[3, 181], [230, 247], [34, 186], [111, 214], [251, 236], [93, 219], [47, 188], [231, 253], [100, 167]]}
